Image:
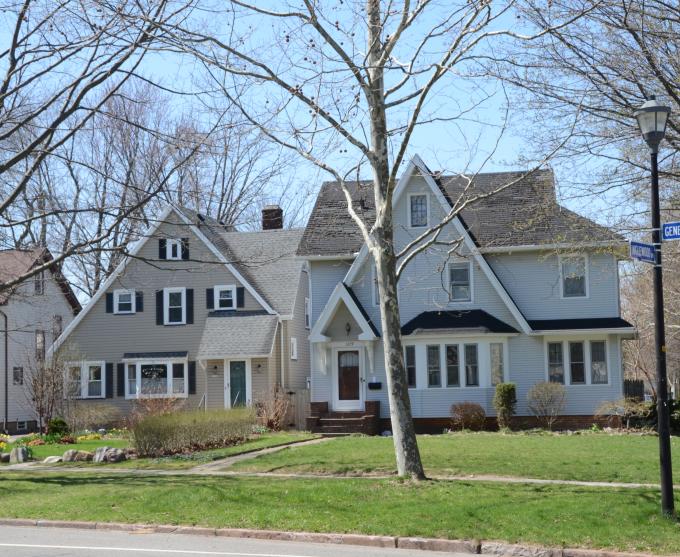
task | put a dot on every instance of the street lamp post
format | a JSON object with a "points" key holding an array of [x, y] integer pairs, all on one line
{"points": [[652, 117]]}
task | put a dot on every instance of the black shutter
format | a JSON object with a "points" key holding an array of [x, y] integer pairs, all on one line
{"points": [[192, 378], [190, 306], [139, 301], [240, 296], [162, 253], [185, 248], [159, 307], [121, 380], [210, 298], [109, 380], [109, 302]]}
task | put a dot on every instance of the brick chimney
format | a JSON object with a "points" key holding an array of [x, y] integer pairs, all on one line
{"points": [[272, 217]]}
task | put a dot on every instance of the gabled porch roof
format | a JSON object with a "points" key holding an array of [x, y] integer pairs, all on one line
{"points": [[343, 294]]}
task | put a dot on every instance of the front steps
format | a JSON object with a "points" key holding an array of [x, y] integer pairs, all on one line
{"points": [[326, 422]]}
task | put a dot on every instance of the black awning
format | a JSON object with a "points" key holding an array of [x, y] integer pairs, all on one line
{"points": [[579, 324], [458, 319]]}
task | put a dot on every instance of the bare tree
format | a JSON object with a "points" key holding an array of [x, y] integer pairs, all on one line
{"points": [[347, 86]]}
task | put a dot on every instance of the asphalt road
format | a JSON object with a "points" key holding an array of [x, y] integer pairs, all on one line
{"points": [[24, 541]]}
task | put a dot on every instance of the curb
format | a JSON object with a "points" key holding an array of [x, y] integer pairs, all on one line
{"points": [[472, 547]]}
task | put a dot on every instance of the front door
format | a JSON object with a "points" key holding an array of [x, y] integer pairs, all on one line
{"points": [[236, 384], [348, 377]]}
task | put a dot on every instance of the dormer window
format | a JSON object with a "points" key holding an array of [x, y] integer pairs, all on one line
{"points": [[418, 209], [574, 276], [225, 297], [123, 301]]}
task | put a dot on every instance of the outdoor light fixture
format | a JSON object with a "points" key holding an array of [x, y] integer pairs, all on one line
{"points": [[652, 118], [348, 328]]}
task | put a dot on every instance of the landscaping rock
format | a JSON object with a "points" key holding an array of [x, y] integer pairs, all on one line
{"points": [[77, 456], [109, 454], [52, 460], [4, 457], [18, 455]]}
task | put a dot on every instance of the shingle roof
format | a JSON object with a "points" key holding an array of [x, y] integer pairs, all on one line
{"points": [[266, 259], [476, 319], [526, 212], [237, 335], [16, 262]]}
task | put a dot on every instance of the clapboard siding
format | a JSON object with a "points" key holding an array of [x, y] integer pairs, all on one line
{"points": [[324, 276]]}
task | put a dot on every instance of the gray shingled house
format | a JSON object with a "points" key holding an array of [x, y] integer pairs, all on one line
{"points": [[197, 312], [529, 294]]}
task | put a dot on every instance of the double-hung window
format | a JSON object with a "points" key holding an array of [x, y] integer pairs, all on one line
{"points": [[410, 352], [452, 366], [417, 208], [598, 362], [173, 249], [459, 282], [573, 270], [577, 363], [175, 306], [156, 379], [225, 297], [124, 301], [555, 362], [85, 380], [434, 370], [308, 319], [471, 365]]}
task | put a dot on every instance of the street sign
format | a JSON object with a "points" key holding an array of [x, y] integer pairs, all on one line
{"points": [[670, 231], [643, 252]]}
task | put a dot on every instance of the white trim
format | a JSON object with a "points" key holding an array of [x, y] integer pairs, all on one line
{"points": [[584, 256], [558, 332], [166, 305], [169, 243], [116, 301], [293, 348], [409, 214], [84, 366], [552, 247], [417, 163], [340, 294], [227, 380], [216, 295], [351, 405], [471, 282], [136, 248], [327, 257], [168, 362], [566, 359], [308, 313], [375, 293]]}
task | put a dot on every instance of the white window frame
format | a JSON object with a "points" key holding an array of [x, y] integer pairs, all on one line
{"points": [[293, 348], [470, 280], [566, 357], [415, 365], [166, 307], [308, 317], [169, 243], [560, 259], [168, 362], [216, 296], [116, 300], [39, 284], [408, 210], [84, 378]]}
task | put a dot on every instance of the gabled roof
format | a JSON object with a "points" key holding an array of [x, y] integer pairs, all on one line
{"points": [[229, 335], [343, 294], [452, 320], [525, 213], [16, 262], [265, 259]]}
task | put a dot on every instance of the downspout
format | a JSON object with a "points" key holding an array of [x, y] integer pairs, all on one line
{"points": [[6, 331]]}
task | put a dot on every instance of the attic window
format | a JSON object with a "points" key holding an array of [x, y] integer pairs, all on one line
{"points": [[174, 248], [225, 297], [418, 207], [39, 283]]}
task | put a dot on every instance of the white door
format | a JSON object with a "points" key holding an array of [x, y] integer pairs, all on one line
{"points": [[347, 380]]}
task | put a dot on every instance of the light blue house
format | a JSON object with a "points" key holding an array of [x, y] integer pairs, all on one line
{"points": [[518, 288]]}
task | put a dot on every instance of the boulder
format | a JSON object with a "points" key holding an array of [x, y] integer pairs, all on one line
{"points": [[18, 455], [52, 460], [4, 457], [77, 456], [109, 454]]}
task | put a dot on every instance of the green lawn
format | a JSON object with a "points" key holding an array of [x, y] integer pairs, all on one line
{"points": [[179, 462], [622, 519], [593, 457]]}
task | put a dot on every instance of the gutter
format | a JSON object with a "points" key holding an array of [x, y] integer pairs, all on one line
{"points": [[6, 331]]}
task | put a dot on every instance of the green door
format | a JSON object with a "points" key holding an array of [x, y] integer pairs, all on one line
{"points": [[237, 384]]}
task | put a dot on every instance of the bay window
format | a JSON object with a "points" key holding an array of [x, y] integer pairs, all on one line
{"points": [[156, 379], [471, 366], [434, 371]]}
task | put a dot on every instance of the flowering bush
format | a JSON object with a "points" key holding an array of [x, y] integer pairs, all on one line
{"points": [[88, 437], [4, 447]]}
